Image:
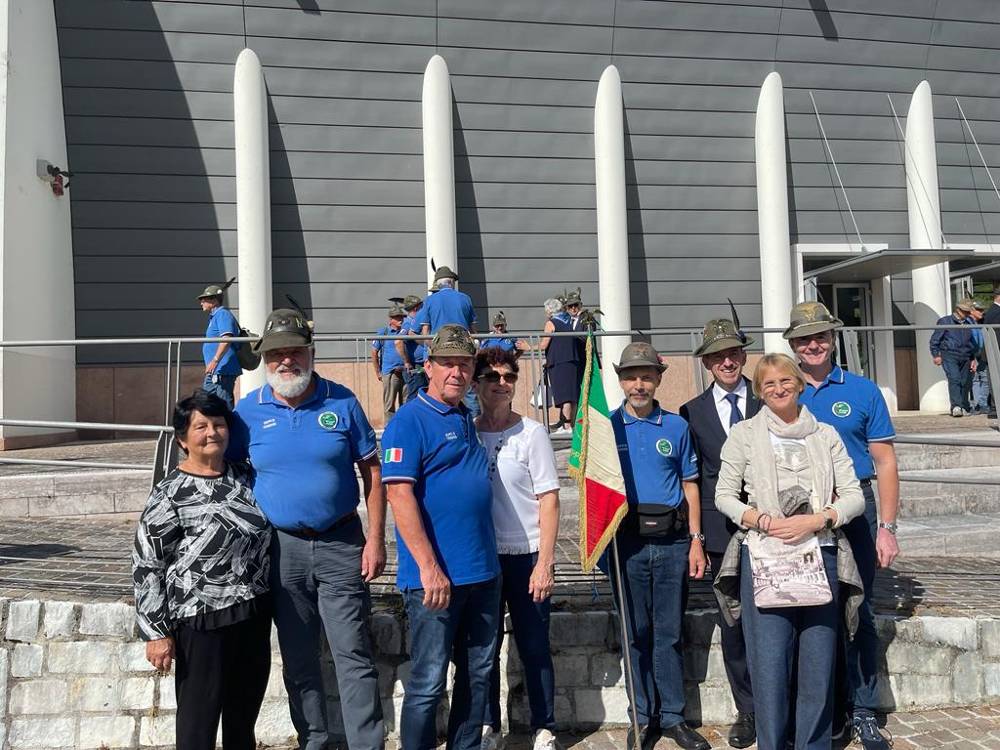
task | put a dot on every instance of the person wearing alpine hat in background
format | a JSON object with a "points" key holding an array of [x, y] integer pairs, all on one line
{"points": [[221, 366], [387, 362], [499, 339], [728, 400], [854, 406], [411, 350]]}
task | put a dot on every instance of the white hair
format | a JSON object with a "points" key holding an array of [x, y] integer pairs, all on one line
{"points": [[552, 306], [450, 283]]}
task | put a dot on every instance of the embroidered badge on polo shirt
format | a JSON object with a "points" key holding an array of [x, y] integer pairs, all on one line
{"points": [[393, 456], [328, 420], [841, 409], [663, 447]]}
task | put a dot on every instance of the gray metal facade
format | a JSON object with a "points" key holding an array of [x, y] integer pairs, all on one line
{"points": [[148, 104]]}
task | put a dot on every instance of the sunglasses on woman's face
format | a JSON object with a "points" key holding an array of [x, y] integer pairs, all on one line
{"points": [[496, 377]]}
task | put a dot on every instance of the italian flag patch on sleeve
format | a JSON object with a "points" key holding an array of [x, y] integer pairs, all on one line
{"points": [[393, 456]]}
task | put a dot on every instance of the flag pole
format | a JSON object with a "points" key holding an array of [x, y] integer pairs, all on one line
{"points": [[623, 621]]}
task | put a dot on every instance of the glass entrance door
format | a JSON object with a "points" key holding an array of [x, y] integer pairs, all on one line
{"points": [[852, 304]]}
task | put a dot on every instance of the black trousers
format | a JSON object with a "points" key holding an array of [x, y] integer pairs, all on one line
{"points": [[221, 672], [734, 653]]}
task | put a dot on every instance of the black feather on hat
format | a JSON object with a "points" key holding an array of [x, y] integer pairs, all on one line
{"points": [[736, 321]]}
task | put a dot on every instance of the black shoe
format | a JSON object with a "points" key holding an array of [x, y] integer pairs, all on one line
{"points": [[686, 737], [648, 735], [866, 731], [744, 732]]}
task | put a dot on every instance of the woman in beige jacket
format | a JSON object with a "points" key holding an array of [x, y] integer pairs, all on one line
{"points": [[800, 484]]}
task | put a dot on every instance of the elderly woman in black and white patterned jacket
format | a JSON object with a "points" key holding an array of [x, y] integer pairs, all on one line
{"points": [[200, 567]]}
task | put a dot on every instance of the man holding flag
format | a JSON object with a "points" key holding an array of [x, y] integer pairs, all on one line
{"points": [[637, 468]]}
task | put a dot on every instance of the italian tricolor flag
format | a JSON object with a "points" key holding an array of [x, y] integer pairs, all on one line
{"points": [[594, 464]]}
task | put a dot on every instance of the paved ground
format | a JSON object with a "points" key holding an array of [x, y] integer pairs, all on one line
{"points": [[974, 728], [89, 559]]}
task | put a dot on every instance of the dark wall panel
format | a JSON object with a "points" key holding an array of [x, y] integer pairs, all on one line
{"points": [[148, 101]]}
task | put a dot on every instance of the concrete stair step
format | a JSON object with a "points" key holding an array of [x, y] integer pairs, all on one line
{"points": [[914, 456], [970, 535], [948, 492]]}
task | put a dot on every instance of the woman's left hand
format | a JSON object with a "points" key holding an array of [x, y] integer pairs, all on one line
{"points": [[372, 559], [794, 529], [542, 581]]}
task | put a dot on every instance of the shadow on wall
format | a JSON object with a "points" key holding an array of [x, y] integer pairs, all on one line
{"points": [[289, 255], [637, 265], [146, 215], [825, 20], [472, 264]]}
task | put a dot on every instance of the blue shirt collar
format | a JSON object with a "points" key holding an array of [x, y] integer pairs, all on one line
{"points": [[655, 416], [322, 391], [836, 376], [439, 406]]}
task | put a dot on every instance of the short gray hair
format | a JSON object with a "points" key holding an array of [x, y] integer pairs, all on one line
{"points": [[450, 283], [552, 306]]}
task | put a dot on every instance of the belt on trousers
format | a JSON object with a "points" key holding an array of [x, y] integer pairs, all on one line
{"points": [[307, 533]]}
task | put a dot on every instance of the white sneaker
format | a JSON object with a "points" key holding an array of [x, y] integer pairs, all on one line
{"points": [[545, 740], [491, 740], [956, 411]]}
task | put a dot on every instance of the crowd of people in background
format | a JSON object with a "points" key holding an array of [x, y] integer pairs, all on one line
{"points": [[765, 485], [399, 363], [961, 353]]}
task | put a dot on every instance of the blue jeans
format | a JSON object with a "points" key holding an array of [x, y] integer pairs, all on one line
{"points": [[781, 641], [414, 380], [862, 651], [221, 386], [530, 623], [956, 370], [471, 400], [316, 586], [981, 387], [655, 576], [467, 632]]}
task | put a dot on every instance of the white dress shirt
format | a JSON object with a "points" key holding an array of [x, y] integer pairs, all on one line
{"points": [[723, 407]]}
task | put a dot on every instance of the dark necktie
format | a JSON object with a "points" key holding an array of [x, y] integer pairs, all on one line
{"points": [[735, 415]]}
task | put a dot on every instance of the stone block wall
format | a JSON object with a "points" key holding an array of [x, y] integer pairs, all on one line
{"points": [[75, 675]]}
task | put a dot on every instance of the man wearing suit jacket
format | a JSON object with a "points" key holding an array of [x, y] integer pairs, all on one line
{"points": [[728, 400]]}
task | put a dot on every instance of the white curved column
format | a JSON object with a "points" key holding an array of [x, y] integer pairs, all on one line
{"points": [[776, 288], [36, 242], [612, 225], [931, 295], [439, 168], [253, 201]]}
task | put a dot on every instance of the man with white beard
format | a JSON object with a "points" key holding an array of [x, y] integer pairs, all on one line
{"points": [[304, 435]]}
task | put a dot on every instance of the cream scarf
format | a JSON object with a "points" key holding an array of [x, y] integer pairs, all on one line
{"points": [[765, 479]]}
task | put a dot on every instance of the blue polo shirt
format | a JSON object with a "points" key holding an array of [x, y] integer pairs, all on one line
{"points": [[656, 453], [856, 409], [390, 357], [446, 307], [304, 457], [498, 342], [221, 322], [417, 352], [435, 447]]}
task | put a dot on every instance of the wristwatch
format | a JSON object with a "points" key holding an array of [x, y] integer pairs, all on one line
{"points": [[699, 536], [891, 526]]}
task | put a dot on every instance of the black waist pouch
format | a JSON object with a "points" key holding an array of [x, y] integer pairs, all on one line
{"points": [[656, 519]]}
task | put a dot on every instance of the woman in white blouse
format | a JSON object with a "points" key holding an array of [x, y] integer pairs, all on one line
{"points": [[526, 516]]}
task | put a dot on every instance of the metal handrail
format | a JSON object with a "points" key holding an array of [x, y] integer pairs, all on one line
{"points": [[56, 425]]}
